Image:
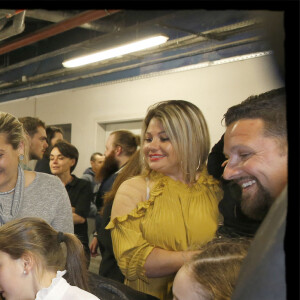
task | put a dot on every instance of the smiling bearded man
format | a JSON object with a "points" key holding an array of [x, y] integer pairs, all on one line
{"points": [[255, 144]]}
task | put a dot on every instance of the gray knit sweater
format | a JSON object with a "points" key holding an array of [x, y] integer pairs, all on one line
{"points": [[46, 198]]}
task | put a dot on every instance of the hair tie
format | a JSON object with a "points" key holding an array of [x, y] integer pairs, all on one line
{"points": [[61, 237]]}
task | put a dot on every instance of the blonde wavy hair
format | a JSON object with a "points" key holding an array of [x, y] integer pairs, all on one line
{"points": [[15, 132], [187, 130]]}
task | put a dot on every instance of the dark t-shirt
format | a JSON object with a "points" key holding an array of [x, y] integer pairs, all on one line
{"points": [[42, 165], [80, 194]]}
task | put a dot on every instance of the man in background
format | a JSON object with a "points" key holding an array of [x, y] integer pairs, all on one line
{"points": [[36, 136], [89, 175], [53, 135], [120, 146]]}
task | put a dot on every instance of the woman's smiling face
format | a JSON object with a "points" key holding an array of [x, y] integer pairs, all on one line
{"points": [[159, 151], [9, 159]]}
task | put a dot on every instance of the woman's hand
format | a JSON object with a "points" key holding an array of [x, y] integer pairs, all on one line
{"points": [[94, 247]]}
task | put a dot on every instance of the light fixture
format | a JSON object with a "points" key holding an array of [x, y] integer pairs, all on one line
{"points": [[115, 52]]}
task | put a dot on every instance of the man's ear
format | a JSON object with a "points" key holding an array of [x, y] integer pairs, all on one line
{"points": [[118, 150]]}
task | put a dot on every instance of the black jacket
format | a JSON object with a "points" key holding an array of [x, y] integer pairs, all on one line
{"points": [[108, 265]]}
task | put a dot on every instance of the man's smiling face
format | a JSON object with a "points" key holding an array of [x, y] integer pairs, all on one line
{"points": [[258, 163]]}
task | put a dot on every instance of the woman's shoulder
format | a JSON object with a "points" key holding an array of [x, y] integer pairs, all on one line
{"points": [[134, 188], [29, 177], [40, 180], [135, 181], [81, 181], [129, 194]]}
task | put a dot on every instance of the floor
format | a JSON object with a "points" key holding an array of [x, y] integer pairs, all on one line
{"points": [[94, 264]]}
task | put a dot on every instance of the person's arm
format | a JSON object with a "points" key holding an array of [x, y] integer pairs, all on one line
{"points": [[63, 211], [94, 247], [162, 262], [78, 219]]}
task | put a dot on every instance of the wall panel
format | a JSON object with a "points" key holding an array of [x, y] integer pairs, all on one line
{"points": [[214, 89]]}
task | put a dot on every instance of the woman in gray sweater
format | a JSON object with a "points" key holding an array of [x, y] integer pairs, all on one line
{"points": [[28, 193]]}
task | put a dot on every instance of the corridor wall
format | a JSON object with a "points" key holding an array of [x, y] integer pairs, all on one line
{"points": [[90, 109]]}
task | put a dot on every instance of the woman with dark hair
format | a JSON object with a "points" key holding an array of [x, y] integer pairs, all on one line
{"points": [[63, 160], [38, 262], [53, 135]]}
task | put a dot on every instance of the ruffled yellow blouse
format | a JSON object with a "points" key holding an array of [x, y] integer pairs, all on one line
{"points": [[175, 217]]}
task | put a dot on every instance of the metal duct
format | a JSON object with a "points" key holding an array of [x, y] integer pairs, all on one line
{"points": [[58, 16], [17, 26], [52, 30]]}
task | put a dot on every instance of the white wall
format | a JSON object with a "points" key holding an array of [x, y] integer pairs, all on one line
{"points": [[214, 89]]}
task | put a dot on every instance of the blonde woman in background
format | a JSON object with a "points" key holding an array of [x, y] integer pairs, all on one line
{"points": [[159, 219]]}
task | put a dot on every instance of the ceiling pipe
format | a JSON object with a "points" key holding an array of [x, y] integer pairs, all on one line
{"points": [[55, 29], [56, 16], [17, 26]]}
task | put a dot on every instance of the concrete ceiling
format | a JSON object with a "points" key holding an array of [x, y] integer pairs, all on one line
{"points": [[35, 42]]}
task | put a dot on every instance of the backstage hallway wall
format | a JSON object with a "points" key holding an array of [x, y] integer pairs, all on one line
{"points": [[213, 89]]}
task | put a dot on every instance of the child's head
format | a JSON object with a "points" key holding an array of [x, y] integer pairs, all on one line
{"points": [[211, 274], [31, 250]]}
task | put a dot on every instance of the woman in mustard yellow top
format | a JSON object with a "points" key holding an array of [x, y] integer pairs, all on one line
{"points": [[161, 218]]}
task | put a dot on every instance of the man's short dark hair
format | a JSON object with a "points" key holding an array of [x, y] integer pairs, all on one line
{"points": [[93, 156], [31, 125], [269, 106], [67, 150], [50, 131]]}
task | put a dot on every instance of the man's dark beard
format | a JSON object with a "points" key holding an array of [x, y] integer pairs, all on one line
{"points": [[109, 167], [256, 207]]}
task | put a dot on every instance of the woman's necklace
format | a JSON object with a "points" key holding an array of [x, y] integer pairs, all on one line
{"points": [[8, 192]]}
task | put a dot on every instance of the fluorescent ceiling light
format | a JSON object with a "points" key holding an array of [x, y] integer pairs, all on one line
{"points": [[114, 52]]}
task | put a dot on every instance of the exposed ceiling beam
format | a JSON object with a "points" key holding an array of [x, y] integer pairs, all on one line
{"points": [[56, 16], [54, 29], [36, 81], [90, 42]]}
